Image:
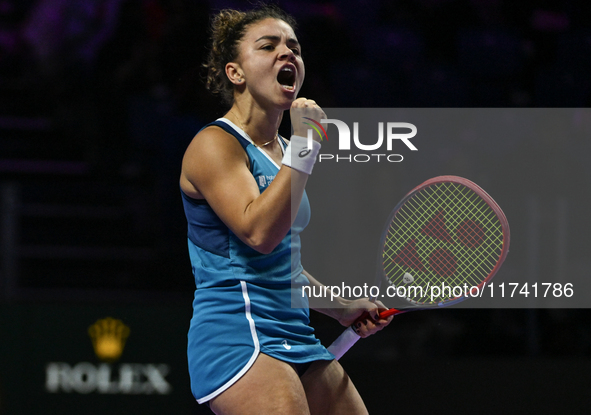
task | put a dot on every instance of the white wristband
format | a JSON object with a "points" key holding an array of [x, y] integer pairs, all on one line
{"points": [[299, 156]]}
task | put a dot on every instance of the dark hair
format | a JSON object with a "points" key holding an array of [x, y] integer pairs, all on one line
{"points": [[227, 30]]}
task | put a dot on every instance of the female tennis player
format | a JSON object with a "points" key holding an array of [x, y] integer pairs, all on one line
{"points": [[250, 349]]}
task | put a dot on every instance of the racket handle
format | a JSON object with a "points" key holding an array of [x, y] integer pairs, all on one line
{"points": [[348, 338], [343, 343], [390, 312]]}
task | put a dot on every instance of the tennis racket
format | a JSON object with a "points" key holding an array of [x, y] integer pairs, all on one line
{"points": [[447, 232]]}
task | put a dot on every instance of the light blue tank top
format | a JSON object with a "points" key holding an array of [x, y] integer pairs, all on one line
{"points": [[219, 256]]}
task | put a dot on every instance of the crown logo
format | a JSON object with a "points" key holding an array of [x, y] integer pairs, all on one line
{"points": [[108, 337]]}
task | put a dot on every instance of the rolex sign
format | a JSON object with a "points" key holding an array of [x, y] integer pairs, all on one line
{"points": [[108, 337], [94, 359]]}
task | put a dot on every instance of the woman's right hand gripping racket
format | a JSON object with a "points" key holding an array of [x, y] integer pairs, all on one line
{"points": [[447, 232]]}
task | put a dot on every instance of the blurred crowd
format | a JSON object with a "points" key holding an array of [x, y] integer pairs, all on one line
{"points": [[125, 78], [120, 73]]}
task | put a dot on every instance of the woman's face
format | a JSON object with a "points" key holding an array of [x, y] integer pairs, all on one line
{"points": [[271, 61]]}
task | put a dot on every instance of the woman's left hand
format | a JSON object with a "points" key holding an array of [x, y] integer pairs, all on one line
{"points": [[369, 311]]}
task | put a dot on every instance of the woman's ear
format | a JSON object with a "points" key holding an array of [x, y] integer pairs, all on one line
{"points": [[234, 73]]}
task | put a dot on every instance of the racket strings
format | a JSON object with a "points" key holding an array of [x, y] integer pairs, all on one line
{"points": [[487, 217], [444, 233], [442, 261], [454, 207]]}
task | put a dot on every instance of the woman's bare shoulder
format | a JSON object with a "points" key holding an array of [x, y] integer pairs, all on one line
{"points": [[211, 151]]}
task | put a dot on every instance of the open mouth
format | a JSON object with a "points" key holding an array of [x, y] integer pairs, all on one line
{"points": [[287, 78]]}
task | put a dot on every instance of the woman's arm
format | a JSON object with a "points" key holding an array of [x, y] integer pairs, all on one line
{"points": [[215, 167]]}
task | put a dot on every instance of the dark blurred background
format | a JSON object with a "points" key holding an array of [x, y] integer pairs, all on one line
{"points": [[99, 99]]}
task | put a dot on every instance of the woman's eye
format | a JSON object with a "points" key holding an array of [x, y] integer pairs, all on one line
{"points": [[268, 47], [295, 51]]}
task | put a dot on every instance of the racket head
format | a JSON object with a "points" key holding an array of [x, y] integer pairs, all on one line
{"points": [[445, 232]]}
